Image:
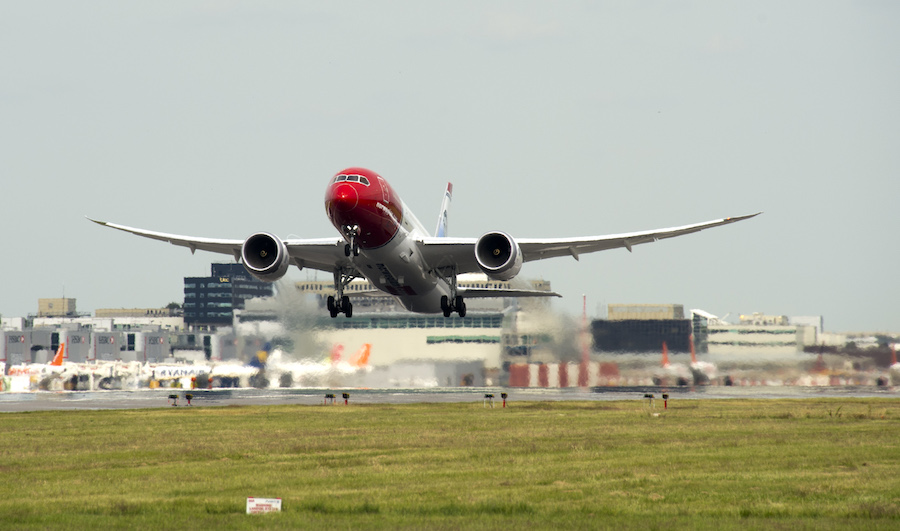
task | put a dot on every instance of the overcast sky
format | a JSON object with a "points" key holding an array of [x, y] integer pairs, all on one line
{"points": [[220, 119]]}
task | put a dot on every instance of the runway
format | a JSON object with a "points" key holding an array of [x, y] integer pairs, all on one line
{"points": [[141, 399]]}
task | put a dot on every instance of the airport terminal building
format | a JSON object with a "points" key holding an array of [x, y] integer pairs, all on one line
{"points": [[210, 302]]}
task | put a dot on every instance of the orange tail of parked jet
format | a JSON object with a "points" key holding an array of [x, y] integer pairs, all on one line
{"points": [[665, 357], [361, 358], [60, 355]]}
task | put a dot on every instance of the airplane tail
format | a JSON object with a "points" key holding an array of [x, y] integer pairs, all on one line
{"points": [[336, 350], [361, 358], [441, 229], [60, 355], [665, 355], [259, 360], [693, 352]]}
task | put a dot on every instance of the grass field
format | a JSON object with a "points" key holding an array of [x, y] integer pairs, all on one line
{"points": [[816, 464]]}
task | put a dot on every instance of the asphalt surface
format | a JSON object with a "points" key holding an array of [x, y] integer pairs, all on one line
{"points": [[152, 398]]}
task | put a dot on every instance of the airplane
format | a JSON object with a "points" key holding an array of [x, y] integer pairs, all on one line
{"points": [[60, 374], [55, 366], [270, 367], [894, 369], [383, 241], [702, 371], [672, 372]]}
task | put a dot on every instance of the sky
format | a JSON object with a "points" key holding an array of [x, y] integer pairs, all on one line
{"points": [[571, 118]]}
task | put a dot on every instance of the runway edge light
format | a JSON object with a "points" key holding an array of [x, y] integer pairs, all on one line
{"points": [[488, 399]]}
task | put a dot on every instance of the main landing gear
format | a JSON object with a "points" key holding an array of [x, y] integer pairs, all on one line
{"points": [[455, 302], [341, 303], [458, 305]]}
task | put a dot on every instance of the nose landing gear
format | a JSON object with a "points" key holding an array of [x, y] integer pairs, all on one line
{"points": [[353, 246]]}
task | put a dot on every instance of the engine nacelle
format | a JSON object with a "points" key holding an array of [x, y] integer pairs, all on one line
{"points": [[265, 256], [498, 255]]}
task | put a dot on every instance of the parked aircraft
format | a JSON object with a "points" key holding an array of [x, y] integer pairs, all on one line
{"points": [[895, 367], [383, 241], [60, 374], [672, 373], [42, 369], [703, 371]]}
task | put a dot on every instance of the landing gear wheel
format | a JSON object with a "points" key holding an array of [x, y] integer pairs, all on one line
{"points": [[445, 306], [351, 233], [343, 275], [460, 306], [332, 307]]}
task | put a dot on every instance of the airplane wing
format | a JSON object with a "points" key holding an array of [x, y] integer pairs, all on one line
{"points": [[325, 254], [320, 253], [479, 293], [459, 252]]}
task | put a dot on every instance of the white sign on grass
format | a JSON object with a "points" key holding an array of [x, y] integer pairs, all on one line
{"points": [[263, 505]]}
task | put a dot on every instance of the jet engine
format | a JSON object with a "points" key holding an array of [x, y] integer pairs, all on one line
{"points": [[265, 256], [498, 255]]}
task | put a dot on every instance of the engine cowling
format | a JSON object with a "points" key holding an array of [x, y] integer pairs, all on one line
{"points": [[498, 255], [265, 256]]}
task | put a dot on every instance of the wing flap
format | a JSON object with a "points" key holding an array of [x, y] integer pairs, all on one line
{"points": [[478, 293], [323, 254]]}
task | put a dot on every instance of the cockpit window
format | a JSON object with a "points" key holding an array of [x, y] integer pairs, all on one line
{"points": [[352, 179]]}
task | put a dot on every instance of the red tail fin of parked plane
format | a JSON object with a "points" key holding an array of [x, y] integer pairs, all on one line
{"points": [[336, 350], [60, 355], [665, 360]]}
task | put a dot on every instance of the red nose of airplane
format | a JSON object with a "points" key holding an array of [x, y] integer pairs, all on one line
{"points": [[345, 198]]}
